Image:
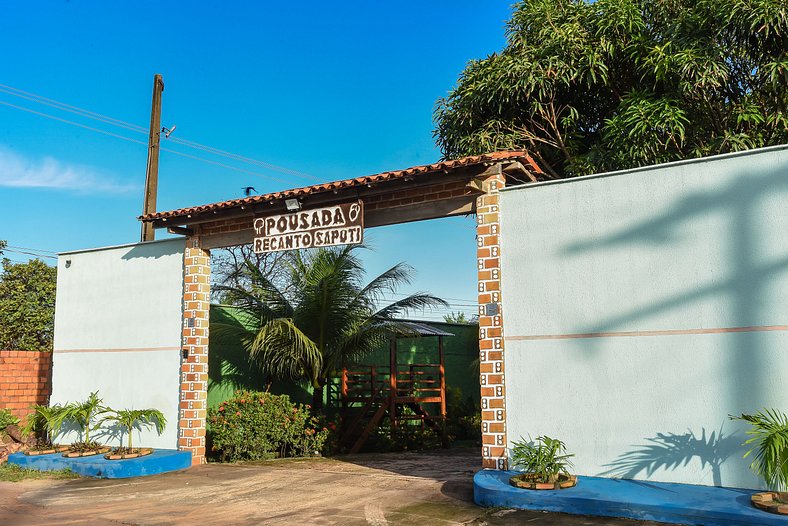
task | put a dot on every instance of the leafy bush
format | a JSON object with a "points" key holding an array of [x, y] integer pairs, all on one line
{"points": [[256, 426], [7, 419], [463, 417], [544, 457], [407, 437], [769, 434]]}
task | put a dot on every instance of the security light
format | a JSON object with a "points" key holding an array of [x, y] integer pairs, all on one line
{"points": [[293, 205]]}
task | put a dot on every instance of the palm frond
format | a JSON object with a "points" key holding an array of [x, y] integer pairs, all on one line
{"points": [[414, 302], [284, 349], [769, 443]]}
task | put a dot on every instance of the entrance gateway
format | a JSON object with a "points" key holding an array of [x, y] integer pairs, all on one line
{"points": [[337, 213]]}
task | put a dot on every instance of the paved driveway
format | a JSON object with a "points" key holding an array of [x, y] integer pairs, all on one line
{"points": [[381, 489]]}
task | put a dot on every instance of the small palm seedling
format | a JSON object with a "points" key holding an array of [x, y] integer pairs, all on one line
{"points": [[83, 414], [769, 444], [545, 464], [130, 419], [45, 422]]}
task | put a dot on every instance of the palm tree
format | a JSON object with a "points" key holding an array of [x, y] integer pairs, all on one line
{"points": [[48, 419], [130, 419], [319, 314], [769, 438], [83, 413]]}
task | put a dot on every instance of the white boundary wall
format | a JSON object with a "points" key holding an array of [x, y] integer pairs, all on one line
{"points": [[643, 307], [118, 321]]}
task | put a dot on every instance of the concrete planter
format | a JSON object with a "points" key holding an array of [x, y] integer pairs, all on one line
{"points": [[771, 501], [90, 453], [528, 481], [54, 449], [134, 454]]}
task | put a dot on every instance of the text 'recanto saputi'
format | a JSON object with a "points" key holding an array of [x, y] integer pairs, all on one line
{"points": [[320, 227]]}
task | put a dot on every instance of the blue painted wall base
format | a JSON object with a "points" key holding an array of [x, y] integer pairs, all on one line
{"points": [[633, 499], [160, 461]]}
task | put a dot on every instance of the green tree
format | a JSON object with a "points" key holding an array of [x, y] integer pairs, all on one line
{"points": [[460, 318], [318, 315], [588, 87], [27, 304]]}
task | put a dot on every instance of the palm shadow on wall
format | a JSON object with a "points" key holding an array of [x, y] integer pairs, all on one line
{"points": [[669, 451]]}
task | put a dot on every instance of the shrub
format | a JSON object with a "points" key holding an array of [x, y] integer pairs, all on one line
{"points": [[544, 457], [463, 417], [7, 419], [407, 437], [256, 426]]}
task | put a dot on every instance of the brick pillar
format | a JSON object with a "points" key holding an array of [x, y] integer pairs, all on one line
{"points": [[194, 366], [493, 390]]}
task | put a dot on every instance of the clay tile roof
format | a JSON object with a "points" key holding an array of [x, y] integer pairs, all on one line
{"points": [[347, 183]]}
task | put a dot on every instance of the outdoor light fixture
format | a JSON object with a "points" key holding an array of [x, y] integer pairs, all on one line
{"points": [[293, 205]]}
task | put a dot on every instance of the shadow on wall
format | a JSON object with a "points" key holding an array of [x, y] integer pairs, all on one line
{"points": [[754, 268], [156, 249], [670, 451]]}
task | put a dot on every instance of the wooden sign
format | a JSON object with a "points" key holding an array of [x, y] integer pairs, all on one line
{"points": [[321, 227]]}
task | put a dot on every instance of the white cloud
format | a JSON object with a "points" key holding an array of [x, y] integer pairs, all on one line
{"points": [[20, 172]]}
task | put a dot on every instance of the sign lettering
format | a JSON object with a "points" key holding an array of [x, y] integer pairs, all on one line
{"points": [[321, 227]]}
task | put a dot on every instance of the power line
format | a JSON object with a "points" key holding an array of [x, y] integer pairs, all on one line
{"points": [[28, 253], [16, 92], [98, 130], [474, 302], [33, 249], [66, 121]]}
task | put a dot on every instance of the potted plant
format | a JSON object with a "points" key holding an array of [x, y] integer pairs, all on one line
{"points": [[43, 423], [769, 444], [544, 462], [83, 414], [128, 420]]}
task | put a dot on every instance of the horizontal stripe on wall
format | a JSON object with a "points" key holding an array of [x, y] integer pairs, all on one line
{"points": [[143, 349], [668, 332]]}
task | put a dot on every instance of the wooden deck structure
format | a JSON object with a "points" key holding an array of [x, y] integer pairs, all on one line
{"points": [[403, 393]]}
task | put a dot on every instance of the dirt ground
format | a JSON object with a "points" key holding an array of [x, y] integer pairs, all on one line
{"points": [[382, 489]]}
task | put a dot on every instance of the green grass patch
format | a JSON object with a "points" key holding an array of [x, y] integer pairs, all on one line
{"points": [[14, 473]]}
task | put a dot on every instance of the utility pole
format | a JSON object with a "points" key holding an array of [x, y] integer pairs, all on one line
{"points": [[152, 172]]}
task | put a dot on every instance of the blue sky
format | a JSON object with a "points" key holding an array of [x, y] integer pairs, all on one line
{"points": [[331, 89]]}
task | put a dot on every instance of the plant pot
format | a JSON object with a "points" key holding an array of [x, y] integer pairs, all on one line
{"points": [[529, 481], [771, 501], [89, 453], [53, 449], [137, 452]]}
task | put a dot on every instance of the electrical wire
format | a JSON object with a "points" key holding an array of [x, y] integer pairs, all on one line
{"points": [[98, 130], [16, 92], [33, 249], [28, 253]]}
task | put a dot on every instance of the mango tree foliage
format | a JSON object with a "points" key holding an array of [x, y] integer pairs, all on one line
{"points": [[588, 87], [27, 305]]}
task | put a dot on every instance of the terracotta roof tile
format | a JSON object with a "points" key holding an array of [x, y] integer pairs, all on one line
{"points": [[347, 183]]}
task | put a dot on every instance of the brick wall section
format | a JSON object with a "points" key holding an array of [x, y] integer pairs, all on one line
{"points": [[25, 380], [491, 347], [194, 367], [418, 195]]}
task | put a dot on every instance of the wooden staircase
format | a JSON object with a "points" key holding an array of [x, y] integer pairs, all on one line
{"points": [[407, 395]]}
